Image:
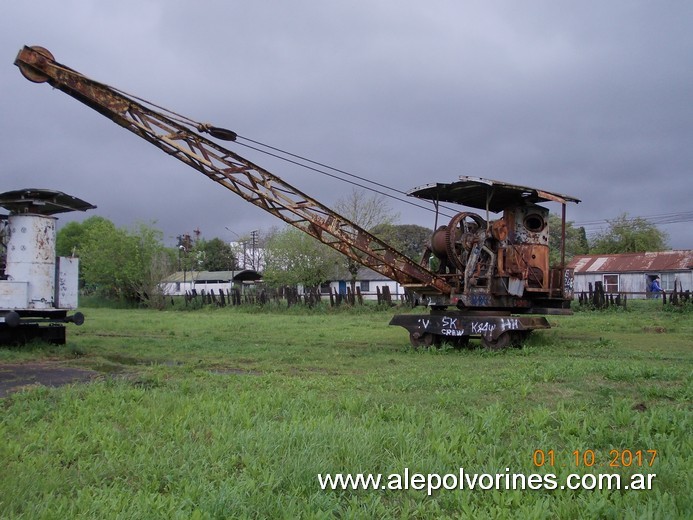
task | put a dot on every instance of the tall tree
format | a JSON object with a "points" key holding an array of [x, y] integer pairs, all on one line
{"points": [[71, 236], [293, 257], [409, 239], [629, 235], [367, 212], [126, 264], [217, 255]]}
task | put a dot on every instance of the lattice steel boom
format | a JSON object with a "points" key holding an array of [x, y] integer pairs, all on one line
{"points": [[181, 138]]}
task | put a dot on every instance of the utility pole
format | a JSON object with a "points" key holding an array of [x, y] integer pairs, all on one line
{"points": [[184, 246], [253, 237]]}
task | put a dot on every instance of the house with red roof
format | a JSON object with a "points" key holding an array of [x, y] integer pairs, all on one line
{"points": [[633, 273]]}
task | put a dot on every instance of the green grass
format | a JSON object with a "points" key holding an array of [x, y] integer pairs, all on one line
{"points": [[232, 413]]}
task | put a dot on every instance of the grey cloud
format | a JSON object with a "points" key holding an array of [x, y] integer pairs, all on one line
{"points": [[592, 99]]}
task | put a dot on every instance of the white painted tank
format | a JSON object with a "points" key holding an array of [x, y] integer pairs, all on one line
{"points": [[31, 257]]}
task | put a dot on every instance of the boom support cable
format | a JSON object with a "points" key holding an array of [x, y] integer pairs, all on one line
{"points": [[284, 156]]}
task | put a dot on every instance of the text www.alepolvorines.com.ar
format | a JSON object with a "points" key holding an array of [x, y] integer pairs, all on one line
{"points": [[463, 480]]}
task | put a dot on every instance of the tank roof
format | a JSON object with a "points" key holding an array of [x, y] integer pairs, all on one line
{"points": [[42, 202]]}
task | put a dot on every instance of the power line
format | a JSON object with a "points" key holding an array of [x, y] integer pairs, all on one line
{"points": [[186, 121], [318, 167], [296, 159], [659, 219], [662, 219], [591, 226]]}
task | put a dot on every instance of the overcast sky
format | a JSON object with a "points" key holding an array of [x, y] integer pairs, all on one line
{"points": [[593, 99]]}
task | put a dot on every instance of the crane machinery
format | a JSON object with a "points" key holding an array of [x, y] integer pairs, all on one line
{"points": [[482, 278]]}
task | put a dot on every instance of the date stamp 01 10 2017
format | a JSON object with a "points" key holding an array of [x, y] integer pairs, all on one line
{"points": [[617, 458]]}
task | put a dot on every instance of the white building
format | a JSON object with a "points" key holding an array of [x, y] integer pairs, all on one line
{"points": [[183, 282], [368, 282]]}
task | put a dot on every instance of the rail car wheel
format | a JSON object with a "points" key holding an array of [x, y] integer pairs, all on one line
{"points": [[514, 338], [501, 342], [423, 340]]}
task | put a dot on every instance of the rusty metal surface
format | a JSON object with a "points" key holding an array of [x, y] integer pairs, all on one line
{"points": [[33, 74], [479, 193], [452, 325], [678, 260]]}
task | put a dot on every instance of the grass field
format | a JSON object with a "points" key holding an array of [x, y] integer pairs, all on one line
{"points": [[233, 413]]}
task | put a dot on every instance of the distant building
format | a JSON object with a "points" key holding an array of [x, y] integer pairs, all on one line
{"points": [[633, 273], [181, 282], [368, 282]]}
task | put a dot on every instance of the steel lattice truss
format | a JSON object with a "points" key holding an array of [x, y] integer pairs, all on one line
{"points": [[180, 138]]}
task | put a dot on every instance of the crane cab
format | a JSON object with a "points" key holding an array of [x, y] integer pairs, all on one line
{"points": [[498, 268]]}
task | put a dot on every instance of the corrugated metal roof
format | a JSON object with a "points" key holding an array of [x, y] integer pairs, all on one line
{"points": [[679, 260]]}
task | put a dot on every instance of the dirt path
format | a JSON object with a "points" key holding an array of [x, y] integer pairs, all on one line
{"points": [[15, 377]]}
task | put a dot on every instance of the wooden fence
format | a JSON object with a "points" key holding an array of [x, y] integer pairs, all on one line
{"points": [[291, 296], [597, 298]]}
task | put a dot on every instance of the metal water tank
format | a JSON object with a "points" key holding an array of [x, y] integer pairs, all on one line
{"points": [[31, 257]]}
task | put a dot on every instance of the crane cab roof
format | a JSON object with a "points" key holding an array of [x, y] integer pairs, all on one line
{"points": [[479, 193], [42, 202]]}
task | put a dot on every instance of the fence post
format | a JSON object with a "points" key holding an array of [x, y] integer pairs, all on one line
{"points": [[387, 298], [598, 295]]}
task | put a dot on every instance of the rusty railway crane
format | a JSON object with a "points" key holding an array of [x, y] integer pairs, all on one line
{"points": [[480, 278]]}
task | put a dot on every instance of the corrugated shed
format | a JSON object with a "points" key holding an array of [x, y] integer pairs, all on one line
{"points": [[678, 260]]}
